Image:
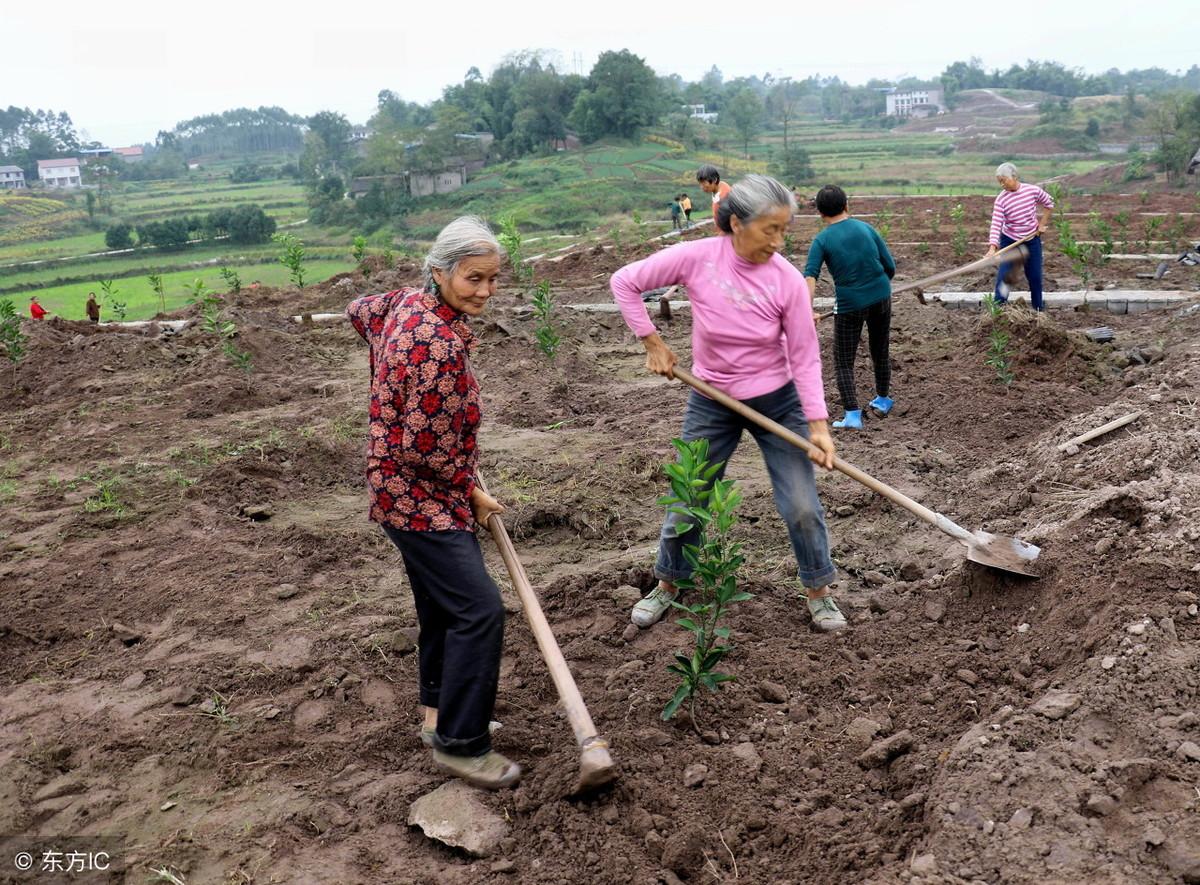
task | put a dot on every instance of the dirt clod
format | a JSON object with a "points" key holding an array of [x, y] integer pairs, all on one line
{"points": [[773, 692]]}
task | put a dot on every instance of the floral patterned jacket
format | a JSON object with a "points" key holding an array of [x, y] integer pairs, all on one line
{"points": [[424, 413]]}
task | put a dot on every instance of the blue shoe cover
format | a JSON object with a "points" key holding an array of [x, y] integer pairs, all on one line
{"points": [[881, 404], [852, 421]]}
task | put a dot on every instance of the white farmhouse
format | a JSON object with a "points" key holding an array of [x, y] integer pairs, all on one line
{"points": [[59, 173], [914, 103], [12, 178]]}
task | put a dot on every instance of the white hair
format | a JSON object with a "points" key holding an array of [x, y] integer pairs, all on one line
{"points": [[753, 196], [464, 237], [1006, 170]]}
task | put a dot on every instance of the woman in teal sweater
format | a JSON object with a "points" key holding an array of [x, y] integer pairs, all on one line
{"points": [[862, 271]]}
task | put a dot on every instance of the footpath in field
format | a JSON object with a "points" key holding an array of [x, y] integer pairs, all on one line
{"points": [[206, 651]]}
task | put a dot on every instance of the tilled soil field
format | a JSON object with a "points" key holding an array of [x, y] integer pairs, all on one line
{"points": [[206, 650]]}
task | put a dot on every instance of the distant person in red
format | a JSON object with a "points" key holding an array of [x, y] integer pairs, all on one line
{"points": [[93, 308], [36, 310], [710, 183]]}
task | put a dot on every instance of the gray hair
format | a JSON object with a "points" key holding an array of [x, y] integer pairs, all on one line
{"points": [[751, 197], [464, 237], [1006, 170]]}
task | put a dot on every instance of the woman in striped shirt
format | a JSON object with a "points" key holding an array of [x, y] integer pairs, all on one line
{"points": [[1020, 210]]}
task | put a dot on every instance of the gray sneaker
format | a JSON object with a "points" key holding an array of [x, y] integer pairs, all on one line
{"points": [[648, 611], [491, 771], [826, 616]]}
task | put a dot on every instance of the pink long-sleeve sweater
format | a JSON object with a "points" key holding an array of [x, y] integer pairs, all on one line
{"points": [[752, 324]]}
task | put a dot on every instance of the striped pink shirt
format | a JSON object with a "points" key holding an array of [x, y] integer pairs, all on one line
{"points": [[1015, 212]]}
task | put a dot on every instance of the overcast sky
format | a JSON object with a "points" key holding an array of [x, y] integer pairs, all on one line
{"points": [[126, 69]]}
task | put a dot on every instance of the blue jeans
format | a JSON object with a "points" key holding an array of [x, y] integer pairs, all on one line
{"points": [[792, 480], [1033, 270]]}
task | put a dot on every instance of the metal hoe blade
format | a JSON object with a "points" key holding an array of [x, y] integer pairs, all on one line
{"points": [[1005, 553]]}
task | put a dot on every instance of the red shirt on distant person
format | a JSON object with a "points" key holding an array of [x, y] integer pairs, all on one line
{"points": [[36, 310]]}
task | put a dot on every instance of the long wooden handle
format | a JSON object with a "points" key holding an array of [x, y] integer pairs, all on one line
{"points": [[560, 673], [979, 264], [932, 517], [1100, 431]]}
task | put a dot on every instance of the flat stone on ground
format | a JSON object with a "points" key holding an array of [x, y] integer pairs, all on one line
{"points": [[454, 815], [1056, 704]]}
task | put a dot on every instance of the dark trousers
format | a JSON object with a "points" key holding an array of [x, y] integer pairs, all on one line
{"points": [[847, 332], [1033, 271], [462, 630]]}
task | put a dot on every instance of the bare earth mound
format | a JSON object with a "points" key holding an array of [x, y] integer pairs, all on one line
{"points": [[206, 649]]}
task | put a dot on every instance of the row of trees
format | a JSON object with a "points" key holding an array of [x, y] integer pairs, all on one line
{"points": [[243, 225], [237, 131], [27, 136], [1058, 79]]}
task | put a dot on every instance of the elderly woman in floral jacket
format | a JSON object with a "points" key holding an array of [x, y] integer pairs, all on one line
{"points": [[421, 460]]}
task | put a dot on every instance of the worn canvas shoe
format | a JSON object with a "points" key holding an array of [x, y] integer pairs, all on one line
{"points": [[826, 616], [881, 405], [648, 611], [491, 771]]}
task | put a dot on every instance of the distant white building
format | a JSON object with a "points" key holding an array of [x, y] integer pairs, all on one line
{"points": [[59, 173], [914, 103], [697, 112], [12, 178]]}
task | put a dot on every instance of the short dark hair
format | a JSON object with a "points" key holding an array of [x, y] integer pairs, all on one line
{"points": [[831, 201], [708, 173]]}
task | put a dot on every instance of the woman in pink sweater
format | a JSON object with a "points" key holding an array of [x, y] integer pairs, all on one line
{"points": [[753, 337]]}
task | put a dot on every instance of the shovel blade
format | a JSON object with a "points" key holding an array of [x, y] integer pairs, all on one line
{"points": [[1004, 553]]}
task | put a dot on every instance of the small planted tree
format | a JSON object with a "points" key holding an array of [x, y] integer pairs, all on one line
{"points": [[359, 249], [214, 320], [1083, 256], [1150, 232], [1121, 220], [959, 238], [156, 284], [543, 309], [999, 356], [510, 239], [716, 559], [1176, 233], [112, 298], [12, 340], [1101, 230], [883, 222], [292, 256], [232, 280]]}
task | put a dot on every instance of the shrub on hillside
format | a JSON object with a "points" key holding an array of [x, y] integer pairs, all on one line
{"points": [[250, 224], [169, 234], [246, 173], [119, 236]]}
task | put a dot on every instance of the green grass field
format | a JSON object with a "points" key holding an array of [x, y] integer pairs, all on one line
{"points": [[143, 262], [142, 302], [598, 187]]}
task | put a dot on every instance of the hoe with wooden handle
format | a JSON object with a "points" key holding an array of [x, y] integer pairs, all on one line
{"points": [[596, 766], [997, 551], [1018, 249]]}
